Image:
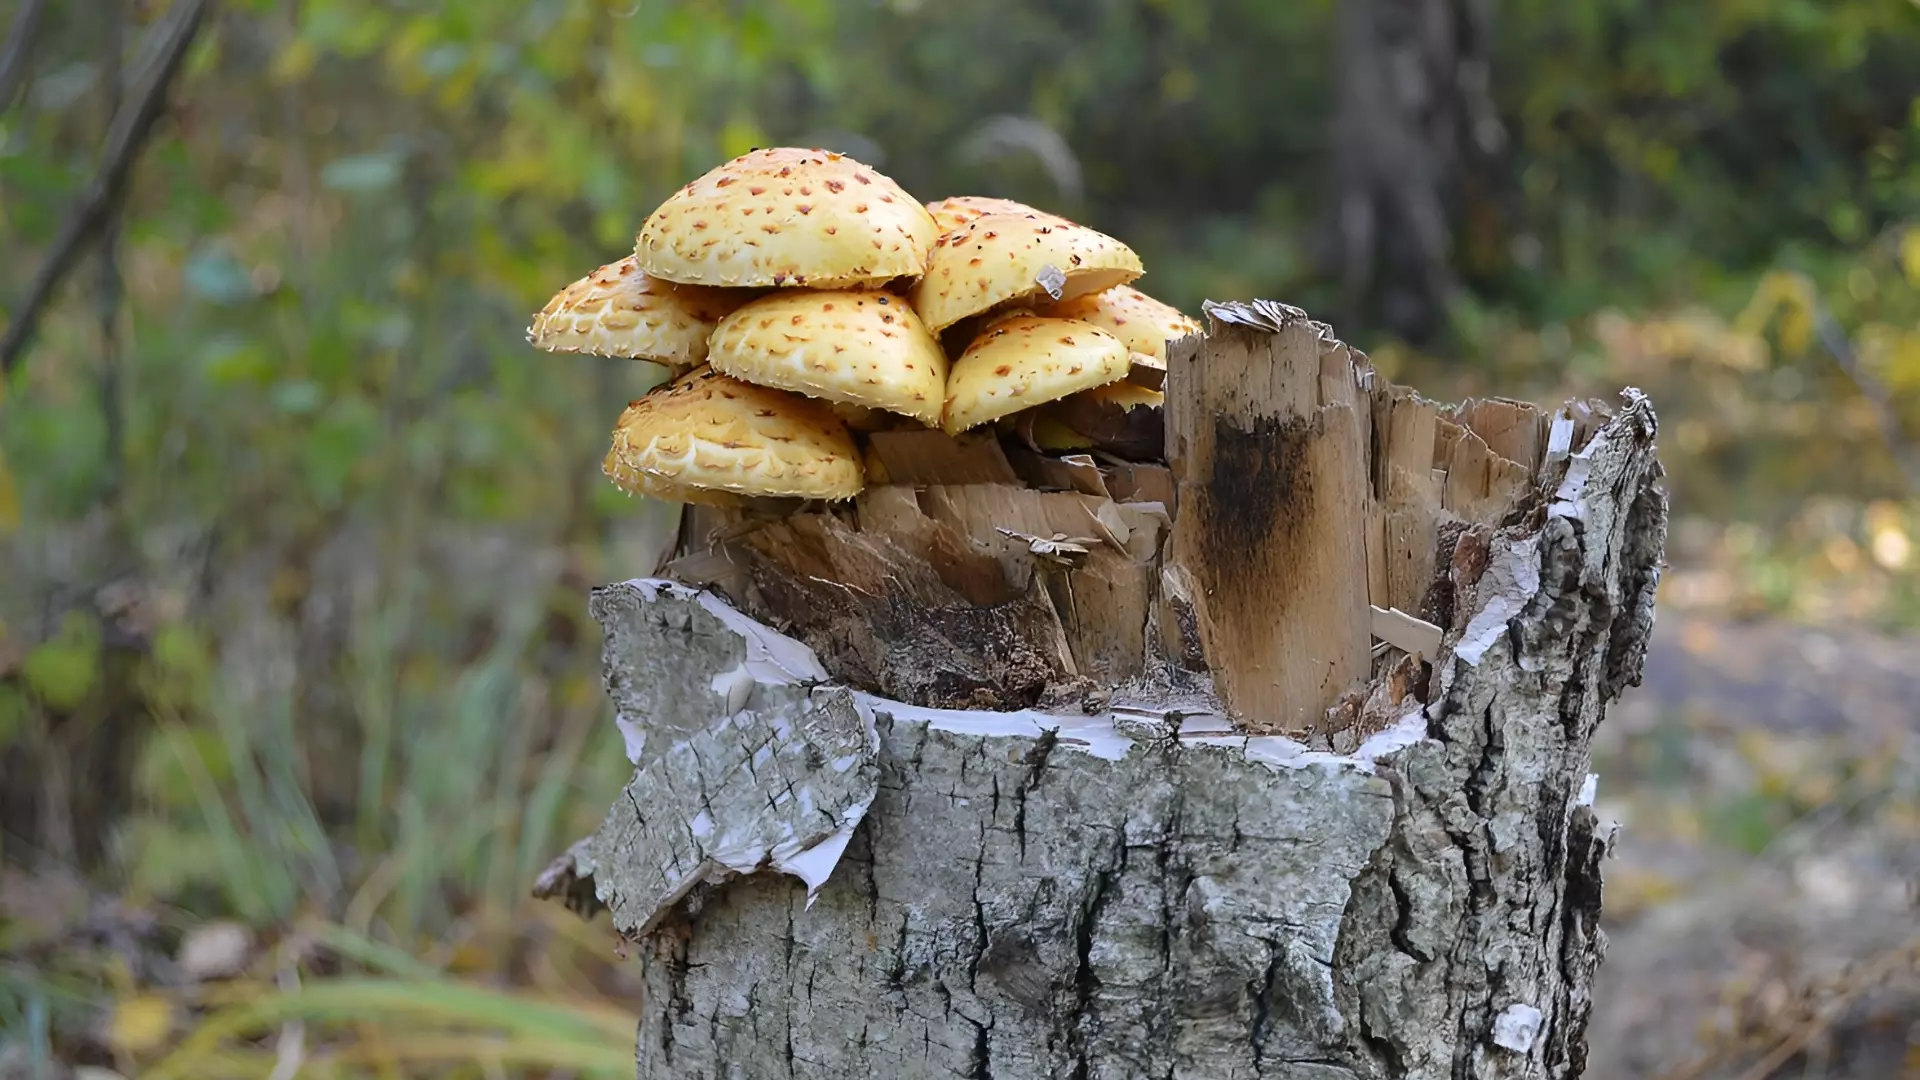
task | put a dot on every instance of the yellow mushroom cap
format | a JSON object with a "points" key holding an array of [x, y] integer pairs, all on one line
{"points": [[956, 210], [1125, 396], [634, 482], [706, 430], [1121, 418], [1143, 324], [618, 310], [856, 348], [786, 216], [1026, 361], [999, 258]]}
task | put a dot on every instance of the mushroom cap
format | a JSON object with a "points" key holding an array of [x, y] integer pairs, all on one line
{"points": [[706, 430], [861, 418], [1122, 418], [634, 482], [1144, 324], [619, 310], [1025, 361], [1001, 258], [956, 210], [1125, 396], [786, 216], [857, 348]]}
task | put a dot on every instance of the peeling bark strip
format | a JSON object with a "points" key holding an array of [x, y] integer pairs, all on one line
{"points": [[1138, 892], [761, 768]]}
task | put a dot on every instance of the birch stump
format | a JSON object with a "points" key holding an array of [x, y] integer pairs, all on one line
{"points": [[1270, 760]]}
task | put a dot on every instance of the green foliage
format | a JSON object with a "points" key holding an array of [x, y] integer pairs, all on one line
{"points": [[378, 695], [13, 716], [64, 670]]}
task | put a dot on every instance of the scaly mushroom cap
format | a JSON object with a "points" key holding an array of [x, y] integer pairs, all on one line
{"points": [[1026, 361], [706, 430], [634, 482], [1001, 258], [785, 216], [956, 210], [618, 310], [857, 348], [1143, 324]]}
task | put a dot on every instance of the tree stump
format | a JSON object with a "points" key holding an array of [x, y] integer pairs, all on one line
{"points": [[981, 779]]}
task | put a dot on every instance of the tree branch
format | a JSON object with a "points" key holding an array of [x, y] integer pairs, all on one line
{"points": [[14, 65], [132, 125], [112, 407]]}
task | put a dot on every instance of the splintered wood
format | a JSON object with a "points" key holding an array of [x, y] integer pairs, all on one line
{"points": [[1289, 548], [1405, 508], [1270, 459]]}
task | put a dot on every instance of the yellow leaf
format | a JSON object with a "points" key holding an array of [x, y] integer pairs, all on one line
{"points": [[627, 91], [140, 1024], [456, 89], [1910, 254], [405, 48], [295, 62], [1796, 329], [1767, 297]]}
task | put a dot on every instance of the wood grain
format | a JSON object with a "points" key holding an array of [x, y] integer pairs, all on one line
{"points": [[1269, 458]]}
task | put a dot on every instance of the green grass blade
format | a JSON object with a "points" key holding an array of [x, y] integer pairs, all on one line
{"points": [[576, 1031]]}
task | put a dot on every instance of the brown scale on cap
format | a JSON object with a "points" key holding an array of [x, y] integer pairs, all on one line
{"points": [[1026, 360], [999, 259], [956, 210], [788, 217], [618, 310], [709, 432], [1143, 324], [856, 348]]}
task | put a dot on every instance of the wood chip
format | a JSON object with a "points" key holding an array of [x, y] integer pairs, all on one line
{"points": [[1406, 633]]}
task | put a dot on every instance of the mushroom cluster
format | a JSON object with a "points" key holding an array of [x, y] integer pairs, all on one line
{"points": [[802, 301]]}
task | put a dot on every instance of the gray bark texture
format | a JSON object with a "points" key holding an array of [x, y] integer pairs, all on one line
{"points": [[1136, 891]]}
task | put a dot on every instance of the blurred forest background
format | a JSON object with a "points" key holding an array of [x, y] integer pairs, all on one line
{"points": [[297, 688]]}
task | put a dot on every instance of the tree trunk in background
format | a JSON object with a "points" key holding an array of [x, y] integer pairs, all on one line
{"points": [[1411, 103], [1131, 888]]}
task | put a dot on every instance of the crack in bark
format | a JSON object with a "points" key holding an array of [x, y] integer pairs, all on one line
{"points": [[1163, 873], [1036, 762], [1085, 982], [982, 1068], [897, 974], [981, 934], [792, 1000], [678, 1003], [1403, 920], [1263, 1001]]}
